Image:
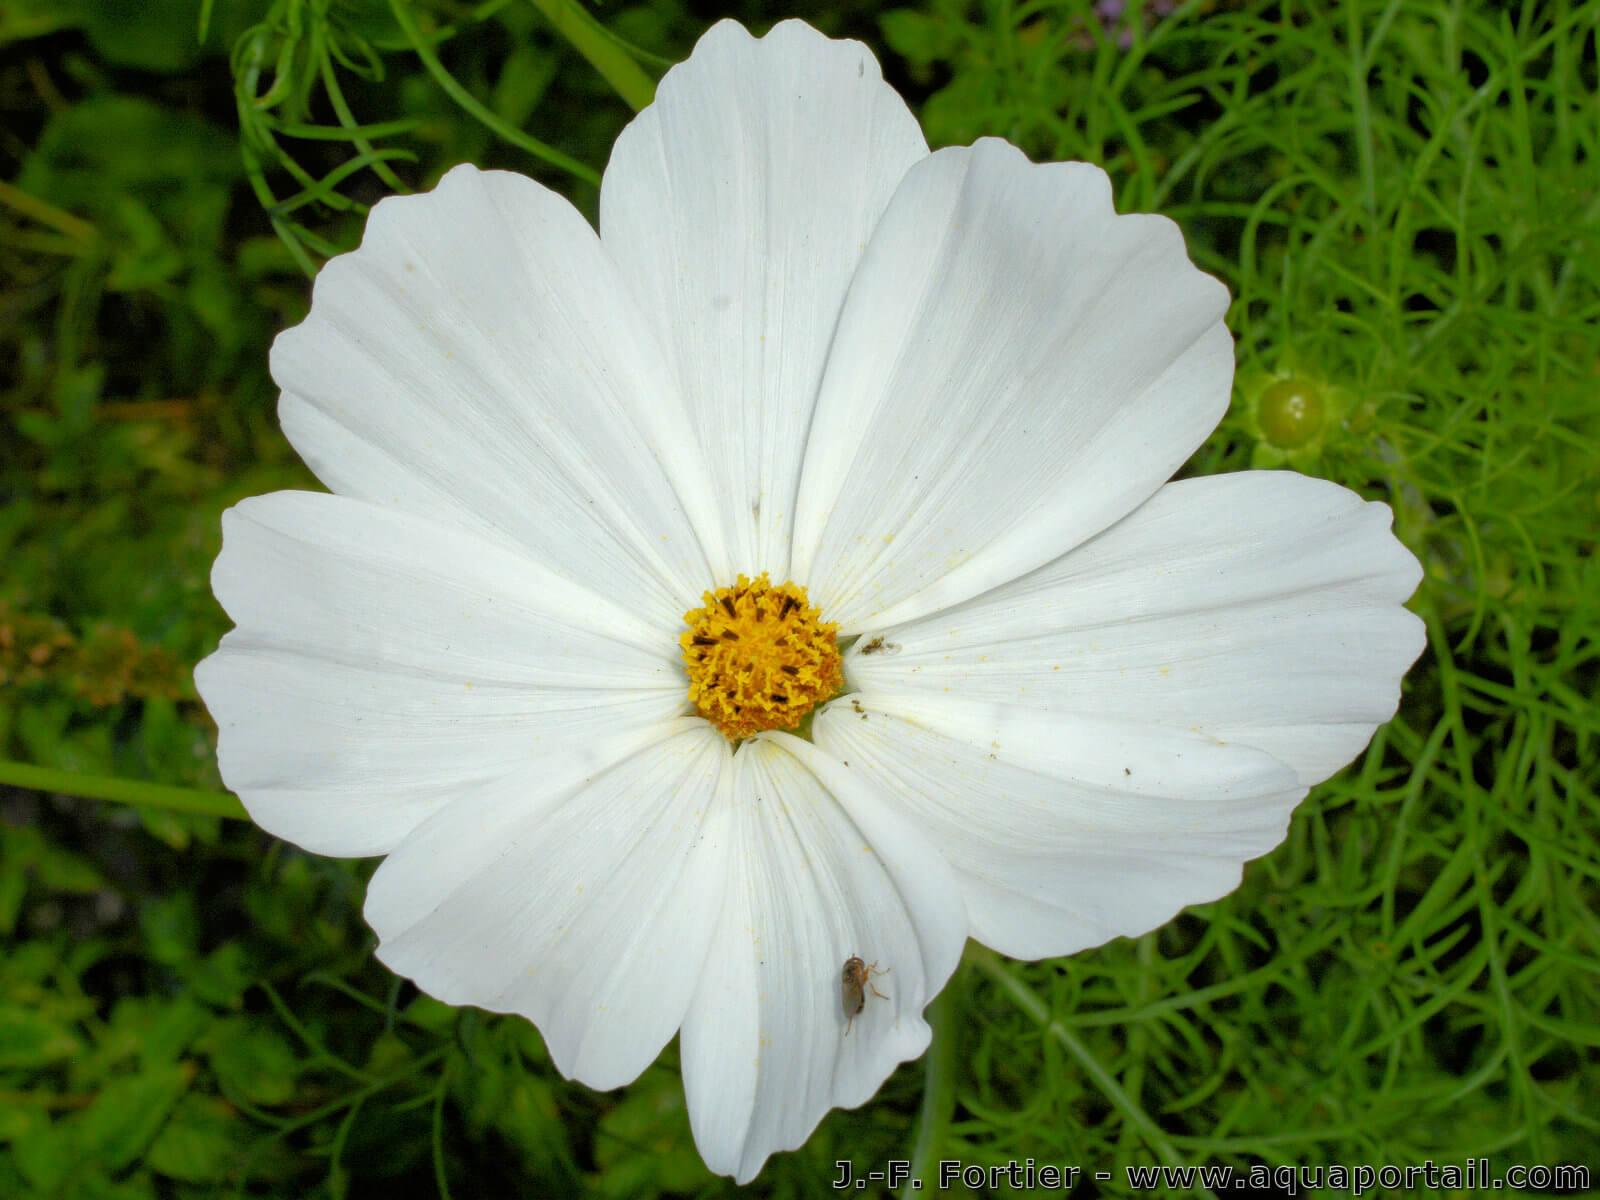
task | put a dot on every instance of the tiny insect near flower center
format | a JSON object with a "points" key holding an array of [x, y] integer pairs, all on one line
{"points": [[759, 657]]}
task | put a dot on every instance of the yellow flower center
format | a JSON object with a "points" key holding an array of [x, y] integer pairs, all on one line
{"points": [[759, 657]]}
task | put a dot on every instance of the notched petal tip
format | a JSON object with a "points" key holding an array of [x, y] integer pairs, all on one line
{"points": [[381, 218], [1094, 193], [792, 33], [1406, 564]]}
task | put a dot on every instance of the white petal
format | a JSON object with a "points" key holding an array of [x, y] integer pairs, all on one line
{"points": [[478, 359], [384, 663], [1261, 608], [822, 870], [738, 205], [584, 904], [1016, 368], [1065, 831]]}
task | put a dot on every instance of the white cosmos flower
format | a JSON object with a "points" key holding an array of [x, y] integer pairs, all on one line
{"points": [[943, 394]]}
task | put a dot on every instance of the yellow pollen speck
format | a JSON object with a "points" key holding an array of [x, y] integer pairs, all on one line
{"points": [[759, 657]]}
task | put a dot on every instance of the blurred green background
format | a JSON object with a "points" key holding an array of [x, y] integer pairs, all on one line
{"points": [[1403, 198]]}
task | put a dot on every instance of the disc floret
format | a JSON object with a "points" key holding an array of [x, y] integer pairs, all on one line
{"points": [[759, 657]]}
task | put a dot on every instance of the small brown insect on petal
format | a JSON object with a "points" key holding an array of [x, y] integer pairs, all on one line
{"points": [[855, 981]]}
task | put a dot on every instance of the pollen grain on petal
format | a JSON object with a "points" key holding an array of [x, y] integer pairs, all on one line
{"points": [[759, 656]]}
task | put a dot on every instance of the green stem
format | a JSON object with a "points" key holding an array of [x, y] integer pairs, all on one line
{"points": [[45, 213], [440, 1174], [938, 1088], [472, 105], [592, 40], [123, 791], [1028, 1001]]}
